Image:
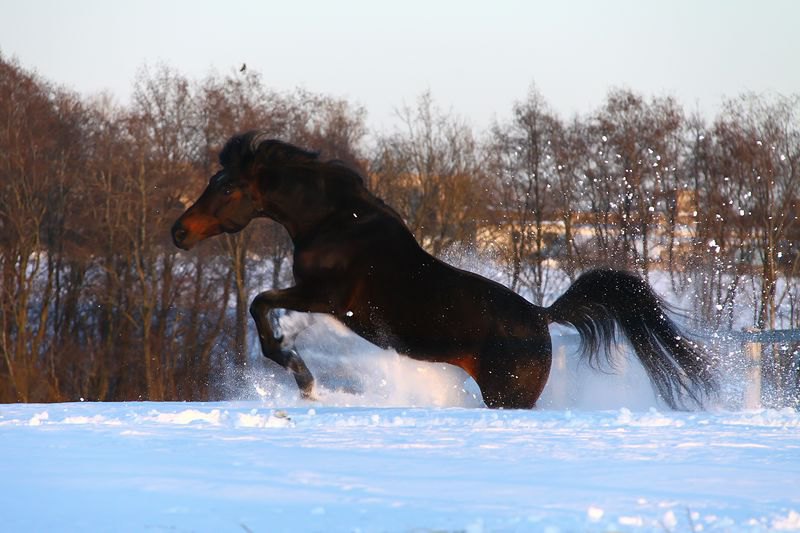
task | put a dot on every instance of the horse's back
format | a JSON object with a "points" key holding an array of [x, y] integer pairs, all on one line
{"points": [[421, 301]]}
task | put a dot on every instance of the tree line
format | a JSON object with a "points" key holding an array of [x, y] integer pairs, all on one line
{"points": [[96, 302]]}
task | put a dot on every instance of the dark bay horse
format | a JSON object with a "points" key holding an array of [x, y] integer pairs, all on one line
{"points": [[354, 258]]}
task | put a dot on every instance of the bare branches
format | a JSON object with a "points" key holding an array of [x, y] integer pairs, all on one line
{"points": [[95, 302], [430, 171]]}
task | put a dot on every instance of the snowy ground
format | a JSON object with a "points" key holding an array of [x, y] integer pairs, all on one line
{"points": [[246, 467], [600, 454]]}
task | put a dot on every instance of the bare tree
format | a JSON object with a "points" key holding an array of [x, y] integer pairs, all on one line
{"points": [[571, 184], [631, 137], [430, 172], [37, 126], [523, 163]]}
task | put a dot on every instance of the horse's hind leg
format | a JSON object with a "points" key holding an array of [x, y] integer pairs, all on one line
{"points": [[513, 372]]}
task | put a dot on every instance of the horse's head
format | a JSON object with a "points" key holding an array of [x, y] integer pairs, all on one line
{"points": [[227, 205], [239, 192]]}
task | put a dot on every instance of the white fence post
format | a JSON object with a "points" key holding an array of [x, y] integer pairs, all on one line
{"points": [[560, 366], [752, 391]]}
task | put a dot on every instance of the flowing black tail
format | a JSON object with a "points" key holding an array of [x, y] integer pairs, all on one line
{"points": [[602, 302]]}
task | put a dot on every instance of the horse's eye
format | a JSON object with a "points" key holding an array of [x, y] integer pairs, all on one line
{"points": [[227, 191]]}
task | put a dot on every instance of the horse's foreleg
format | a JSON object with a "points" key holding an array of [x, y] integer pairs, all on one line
{"points": [[296, 299]]}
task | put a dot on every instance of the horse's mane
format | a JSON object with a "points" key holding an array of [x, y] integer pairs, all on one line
{"points": [[246, 145], [349, 181]]}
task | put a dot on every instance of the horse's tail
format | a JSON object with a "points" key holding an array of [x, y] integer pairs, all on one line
{"points": [[602, 302]]}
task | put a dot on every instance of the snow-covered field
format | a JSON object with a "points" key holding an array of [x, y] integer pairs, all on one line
{"points": [[600, 454], [246, 467]]}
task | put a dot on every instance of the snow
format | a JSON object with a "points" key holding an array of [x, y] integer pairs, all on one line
{"points": [[392, 444], [248, 466]]}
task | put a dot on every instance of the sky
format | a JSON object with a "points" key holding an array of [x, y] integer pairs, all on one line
{"points": [[476, 58]]}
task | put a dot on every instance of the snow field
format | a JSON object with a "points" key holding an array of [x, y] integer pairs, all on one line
{"points": [[245, 466], [391, 444]]}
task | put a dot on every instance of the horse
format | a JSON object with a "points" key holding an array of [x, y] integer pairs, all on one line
{"points": [[355, 259]]}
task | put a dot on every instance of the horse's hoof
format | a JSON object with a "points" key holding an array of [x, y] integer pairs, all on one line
{"points": [[309, 395]]}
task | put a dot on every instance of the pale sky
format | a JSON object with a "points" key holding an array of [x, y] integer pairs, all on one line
{"points": [[476, 58]]}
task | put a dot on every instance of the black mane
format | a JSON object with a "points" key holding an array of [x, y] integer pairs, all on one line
{"points": [[245, 146]]}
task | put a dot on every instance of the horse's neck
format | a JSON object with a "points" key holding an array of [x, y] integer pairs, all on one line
{"points": [[356, 204]]}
